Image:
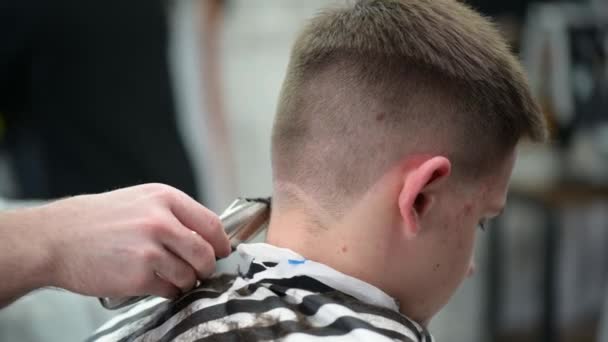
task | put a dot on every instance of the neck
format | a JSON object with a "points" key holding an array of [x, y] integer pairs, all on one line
{"points": [[358, 243]]}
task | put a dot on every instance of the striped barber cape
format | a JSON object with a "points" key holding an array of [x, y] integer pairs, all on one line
{"points": [[281, 297]]}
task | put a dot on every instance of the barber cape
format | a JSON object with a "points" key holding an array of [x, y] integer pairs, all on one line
{"points": [[282, 296]]}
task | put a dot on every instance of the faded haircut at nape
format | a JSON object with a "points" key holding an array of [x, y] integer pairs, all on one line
{"points": [[372, 81]]}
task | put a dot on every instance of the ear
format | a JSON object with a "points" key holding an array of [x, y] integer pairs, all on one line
{"points": [[415, 199]]}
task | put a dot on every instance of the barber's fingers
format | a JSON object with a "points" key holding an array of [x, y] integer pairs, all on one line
{"points": [[191, 248], [162, 288], [176, 271], [203, 221]]}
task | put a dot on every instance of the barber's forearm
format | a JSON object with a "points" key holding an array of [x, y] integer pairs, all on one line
{"points": [[25, 257]]}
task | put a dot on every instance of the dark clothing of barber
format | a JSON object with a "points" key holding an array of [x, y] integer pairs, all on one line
{"points": [[86, 99]]}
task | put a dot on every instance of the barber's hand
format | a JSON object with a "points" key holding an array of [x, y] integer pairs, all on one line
{"points": [[147, 239]]}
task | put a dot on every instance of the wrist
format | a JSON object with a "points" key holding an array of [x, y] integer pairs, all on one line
{"points": [[33, 245], [46, 239]]}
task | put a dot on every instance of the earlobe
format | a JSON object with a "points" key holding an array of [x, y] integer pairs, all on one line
{"points": [[415, 198]]}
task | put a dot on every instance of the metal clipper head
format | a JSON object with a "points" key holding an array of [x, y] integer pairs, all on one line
{"points": [[245, 218]]}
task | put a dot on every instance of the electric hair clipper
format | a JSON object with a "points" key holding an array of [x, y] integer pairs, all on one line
{"points": [[244, 219]]}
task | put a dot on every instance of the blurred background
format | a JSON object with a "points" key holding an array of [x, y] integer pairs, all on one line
{"points": [[95, 95]]}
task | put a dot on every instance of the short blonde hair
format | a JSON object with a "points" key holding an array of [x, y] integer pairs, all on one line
{"points": [[369, 82]]}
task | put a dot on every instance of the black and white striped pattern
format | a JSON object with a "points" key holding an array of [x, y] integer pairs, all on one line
{"points": [[277, 299]]}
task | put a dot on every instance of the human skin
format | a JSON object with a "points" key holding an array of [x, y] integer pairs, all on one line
{"points": [[147, 239], [411, 234]]}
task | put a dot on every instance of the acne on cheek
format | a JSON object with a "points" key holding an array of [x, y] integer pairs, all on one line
{"points": [[468, 208], [460, 244], [467, 211]]}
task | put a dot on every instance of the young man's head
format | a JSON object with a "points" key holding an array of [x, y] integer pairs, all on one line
{"points": [[395, 135]]}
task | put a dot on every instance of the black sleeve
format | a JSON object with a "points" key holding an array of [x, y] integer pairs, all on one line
{"points": [[92, 78], [18, 21]]}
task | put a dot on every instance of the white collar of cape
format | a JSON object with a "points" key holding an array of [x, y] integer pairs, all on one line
{"points": [[291, 264]]}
